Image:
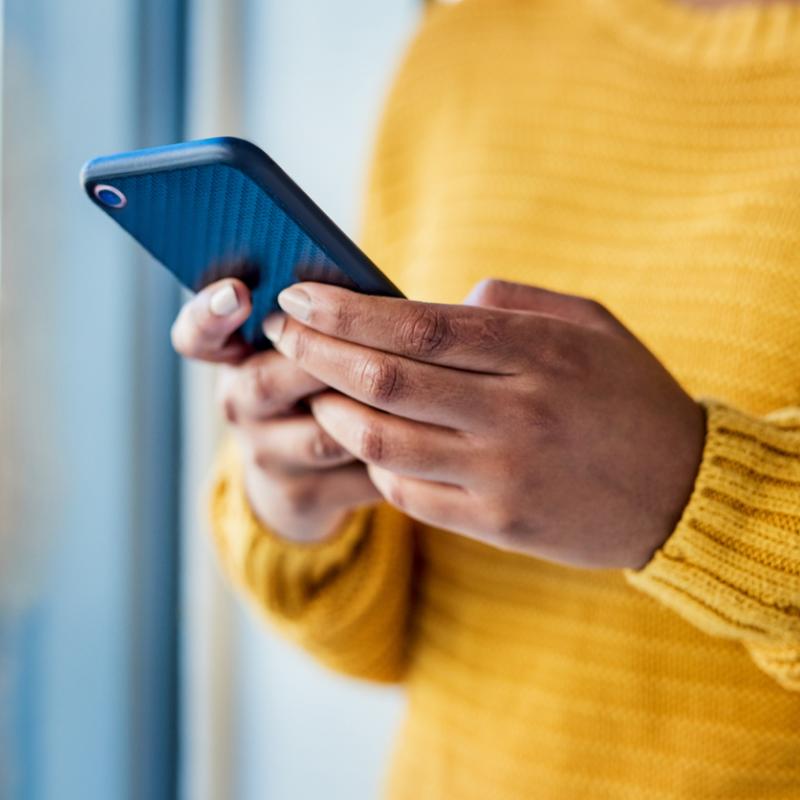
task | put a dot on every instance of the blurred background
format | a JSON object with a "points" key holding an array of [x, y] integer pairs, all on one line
{"points": [[127, 669]]}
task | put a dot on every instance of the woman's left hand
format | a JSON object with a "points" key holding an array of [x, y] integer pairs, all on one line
{"points": [[529, 420]]}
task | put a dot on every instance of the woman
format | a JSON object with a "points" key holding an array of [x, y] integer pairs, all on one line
{"points": [[576, 539]]}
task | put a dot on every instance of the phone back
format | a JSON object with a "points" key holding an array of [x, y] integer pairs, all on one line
{"points": [[207, 212]]}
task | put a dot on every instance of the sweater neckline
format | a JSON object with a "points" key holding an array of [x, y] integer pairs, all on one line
{"points": [[743, 33]]}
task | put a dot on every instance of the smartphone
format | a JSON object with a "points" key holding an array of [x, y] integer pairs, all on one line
{"points": [[218, 208]]}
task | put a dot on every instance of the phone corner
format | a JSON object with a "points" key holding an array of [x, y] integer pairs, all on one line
{"points": [[85, 175], [235, 151]]}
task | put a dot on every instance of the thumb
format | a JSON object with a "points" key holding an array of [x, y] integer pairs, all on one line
{"points": [[494, 293]]}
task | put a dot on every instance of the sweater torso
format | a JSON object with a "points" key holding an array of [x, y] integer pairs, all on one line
{"points": [[653, 164]]}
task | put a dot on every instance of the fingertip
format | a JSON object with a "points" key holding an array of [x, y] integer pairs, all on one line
{"points": [[321, 408], [273, 327], [296, 301], [220, 308], [226, 297], [224, 301], [206, 322], [480, 292], [315, 287], [320, 294], [326, 401]]}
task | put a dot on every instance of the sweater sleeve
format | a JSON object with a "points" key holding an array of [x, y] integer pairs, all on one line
{"points": [[732, 565], [345, 600]]}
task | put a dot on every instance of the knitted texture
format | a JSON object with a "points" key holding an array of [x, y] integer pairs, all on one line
{"points": [[352, 619], [645, 154], [732, 566]]}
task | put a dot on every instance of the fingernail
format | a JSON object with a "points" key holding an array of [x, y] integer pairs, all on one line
{"points": [[224, 301], [295, 302], [273, 327]]}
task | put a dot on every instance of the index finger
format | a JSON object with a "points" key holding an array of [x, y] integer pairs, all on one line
{"points": [[459, 336]]}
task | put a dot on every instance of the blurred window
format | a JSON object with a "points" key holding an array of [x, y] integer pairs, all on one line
{"points": [[88, 412]]}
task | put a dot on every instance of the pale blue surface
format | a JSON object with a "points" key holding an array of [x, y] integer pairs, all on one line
{"points": [[74, 278], [72, 322]]}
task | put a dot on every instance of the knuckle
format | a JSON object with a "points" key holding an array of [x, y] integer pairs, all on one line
{"points": [[505, 526], [301, 343], [302, 496], [372, 443], [543, 419], [344, 319], [380, 378], [599, 314], [603, 318], [261, 457], [260, 382], [552, 361], [493, 333], [553, 349], [564, 357], [596, 308], [532, 408], [488, 292], [426, 331], [321, 447], [229, 410], [537, 412], [227, 403]]}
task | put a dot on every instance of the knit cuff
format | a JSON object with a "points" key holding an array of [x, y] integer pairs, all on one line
{"points": [[732, 565]]}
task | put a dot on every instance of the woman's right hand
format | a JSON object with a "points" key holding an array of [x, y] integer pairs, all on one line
{"points": [[299, 481]]}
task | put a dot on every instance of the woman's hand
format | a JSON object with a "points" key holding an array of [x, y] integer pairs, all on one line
{"points": [[300, 482], [529, 420]]}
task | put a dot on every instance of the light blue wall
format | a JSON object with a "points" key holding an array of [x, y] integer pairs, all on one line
{"points": [[69, 400], [316, 76]]}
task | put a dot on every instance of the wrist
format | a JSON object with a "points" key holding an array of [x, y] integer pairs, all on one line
{"points": [[687, 455]]}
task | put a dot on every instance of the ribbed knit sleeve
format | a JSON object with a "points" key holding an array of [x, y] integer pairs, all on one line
{"points": [[345, 599], [732, 565]]}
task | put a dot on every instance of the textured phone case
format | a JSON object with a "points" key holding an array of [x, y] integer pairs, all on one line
{"points": [[223, 218]]}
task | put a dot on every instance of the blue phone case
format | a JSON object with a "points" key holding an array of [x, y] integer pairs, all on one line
{"points": [[221, 207]]}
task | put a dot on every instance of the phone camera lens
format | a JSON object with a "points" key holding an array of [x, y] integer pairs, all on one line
{"points": [[110, 196]]}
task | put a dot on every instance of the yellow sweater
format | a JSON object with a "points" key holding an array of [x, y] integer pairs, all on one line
{"points": [[647, 155]]}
